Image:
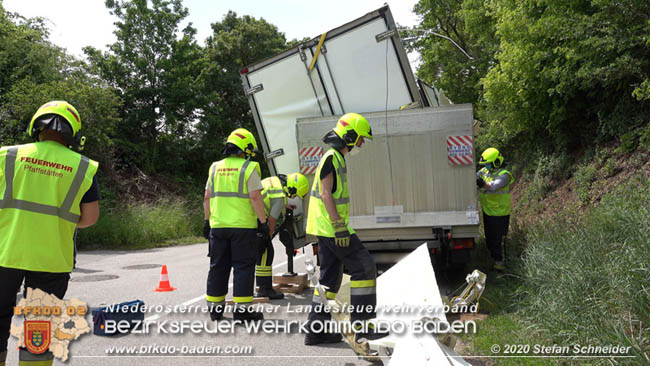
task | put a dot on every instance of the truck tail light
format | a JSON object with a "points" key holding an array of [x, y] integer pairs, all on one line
{"points": [[463, 243]]}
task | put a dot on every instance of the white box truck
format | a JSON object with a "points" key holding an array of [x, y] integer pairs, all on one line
{"points": [[415, 181]]}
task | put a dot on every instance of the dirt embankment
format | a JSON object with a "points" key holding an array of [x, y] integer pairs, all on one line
{"points": [[616, 169]]}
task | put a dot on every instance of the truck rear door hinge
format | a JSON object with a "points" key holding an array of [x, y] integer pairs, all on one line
{"points": [[254, 89], [301, 52], [387, 34]]}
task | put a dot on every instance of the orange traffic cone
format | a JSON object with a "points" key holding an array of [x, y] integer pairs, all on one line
{"points": [[164, 281]]}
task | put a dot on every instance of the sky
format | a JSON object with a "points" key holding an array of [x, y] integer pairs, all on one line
{"points": [[75, 24]]}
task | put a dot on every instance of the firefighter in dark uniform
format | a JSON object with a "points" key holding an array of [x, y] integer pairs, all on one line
{"points": [[47, 191], [275, 193], [234, 215], [338, 245]]}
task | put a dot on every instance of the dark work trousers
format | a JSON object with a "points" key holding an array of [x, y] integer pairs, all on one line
{"points": [[363, 273], [236, 249], [10, 281], [496, 230], [263, 267]]}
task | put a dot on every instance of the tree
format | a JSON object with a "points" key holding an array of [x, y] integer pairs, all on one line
{"points": [[235, 43], [155, 73], [567, 72], [457, 63], [33, 71]]}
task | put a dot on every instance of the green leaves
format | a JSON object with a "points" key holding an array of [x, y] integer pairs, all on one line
{"points": [[547, 73], [154, 67], [236, 42], [471, 27]]}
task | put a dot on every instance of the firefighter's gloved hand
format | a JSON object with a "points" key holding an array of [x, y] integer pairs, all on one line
{"points": [[480, 182], [341, 233], [206, 229], [263, 230]]}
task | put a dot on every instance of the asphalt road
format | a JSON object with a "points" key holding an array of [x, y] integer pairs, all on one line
{"points": [[107, 277]]}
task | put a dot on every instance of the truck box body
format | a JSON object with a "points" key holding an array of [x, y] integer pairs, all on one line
{"points": [[403, 184], [350, 75]]}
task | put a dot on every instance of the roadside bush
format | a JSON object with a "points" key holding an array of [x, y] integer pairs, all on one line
{"points": [[140, 225], [584, 176], [550, 169], [586, 278]]}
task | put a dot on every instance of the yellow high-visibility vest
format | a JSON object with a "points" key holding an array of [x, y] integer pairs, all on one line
{"points": [[495, 203], [272, 190], [41, 187], [318, 220], [230, 204]]}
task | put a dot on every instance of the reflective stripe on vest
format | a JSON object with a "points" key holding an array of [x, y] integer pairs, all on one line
{"points": [[230, 208], [495, 203], [341, 171], [63, 211], [240, 188], [318, 219], [272, 191], [42, 186]]}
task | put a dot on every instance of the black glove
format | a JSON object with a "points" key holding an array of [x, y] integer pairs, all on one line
{"points": [[480, 182], [206, 229], [262, 229], [263, 238]]}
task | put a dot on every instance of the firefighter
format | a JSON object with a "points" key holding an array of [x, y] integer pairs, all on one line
{"points": [[338, 245], [234, 215], [494, 182], [275, 193], [48, 191]]}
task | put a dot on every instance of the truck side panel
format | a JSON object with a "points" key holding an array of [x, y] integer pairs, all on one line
{"points": [[406, 179]]}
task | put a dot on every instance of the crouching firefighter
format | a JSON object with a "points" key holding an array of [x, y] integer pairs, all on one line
{"points": [[234, 214], [338, 245], [275, 193]]}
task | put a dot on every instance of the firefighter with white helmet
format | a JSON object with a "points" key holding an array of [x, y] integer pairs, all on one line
{"points": [[338, 245], [275, 193], [494, 182]]}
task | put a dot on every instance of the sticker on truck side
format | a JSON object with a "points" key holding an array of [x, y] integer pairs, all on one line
{"points": [[309, 159], [460, 150]]}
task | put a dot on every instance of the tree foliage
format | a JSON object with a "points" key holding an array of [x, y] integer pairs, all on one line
{"points": [[458, 62], [236, 42], [33, 71], [546, 74], [154, 71], [567, 71]]}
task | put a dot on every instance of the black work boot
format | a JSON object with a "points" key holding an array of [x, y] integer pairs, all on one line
{"points": [[247, 314], [270, 293], [370, 333], [216, 312], [312, 339]]}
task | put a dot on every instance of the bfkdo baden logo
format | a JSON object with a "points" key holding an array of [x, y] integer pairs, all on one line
{"points": [[37, 335], [50, 323]]}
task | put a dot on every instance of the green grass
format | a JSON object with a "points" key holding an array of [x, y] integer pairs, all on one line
{"points": [[575, 279], [504, 325], [144, 225], [586, 278]]}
